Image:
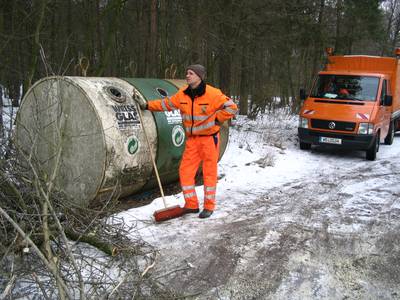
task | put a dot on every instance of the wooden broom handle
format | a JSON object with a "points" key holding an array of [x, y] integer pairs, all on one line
{"points": [[151, 155]]}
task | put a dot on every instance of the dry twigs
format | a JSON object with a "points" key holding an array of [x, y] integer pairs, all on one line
{"points": [[35, 219]]}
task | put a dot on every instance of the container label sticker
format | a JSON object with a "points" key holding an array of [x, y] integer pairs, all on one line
{"points": [[178, 136], [127, 116], [133, 145], [173, 117]]}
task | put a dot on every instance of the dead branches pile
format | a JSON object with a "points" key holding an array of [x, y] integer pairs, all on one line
{"points": [[52, 249]]}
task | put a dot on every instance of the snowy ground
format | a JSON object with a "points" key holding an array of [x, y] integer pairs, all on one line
{"points": [[290, 224], [8, 113]]}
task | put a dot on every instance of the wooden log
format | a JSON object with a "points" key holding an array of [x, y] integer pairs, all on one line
{"points": [[92, 240]]}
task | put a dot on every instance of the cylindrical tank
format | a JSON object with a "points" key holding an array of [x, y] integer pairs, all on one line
{"points": [[84, 135]]}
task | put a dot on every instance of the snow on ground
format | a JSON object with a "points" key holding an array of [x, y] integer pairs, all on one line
{"points": [[289, 224], [241, 167], [242, 172], [8, 117]]}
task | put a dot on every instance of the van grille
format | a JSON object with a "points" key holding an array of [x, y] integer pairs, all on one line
{"points": [[324, 124]]}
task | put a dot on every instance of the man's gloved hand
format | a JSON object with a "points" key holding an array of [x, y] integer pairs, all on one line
{"points": [[139, 100]]}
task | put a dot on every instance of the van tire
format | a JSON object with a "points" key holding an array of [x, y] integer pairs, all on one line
{"points": [[305, 146], [390, 136], [371, 152]]}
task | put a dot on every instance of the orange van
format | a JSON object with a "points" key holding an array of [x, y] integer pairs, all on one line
{"points": [[354, 104]]}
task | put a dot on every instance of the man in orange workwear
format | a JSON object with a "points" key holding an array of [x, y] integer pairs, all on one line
{"points": [[203, 108]]}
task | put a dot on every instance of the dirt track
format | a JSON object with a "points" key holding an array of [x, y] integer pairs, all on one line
{"points": [[333, 235]]}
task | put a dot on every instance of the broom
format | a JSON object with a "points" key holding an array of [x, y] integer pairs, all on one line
{"points": [[166, 213]]}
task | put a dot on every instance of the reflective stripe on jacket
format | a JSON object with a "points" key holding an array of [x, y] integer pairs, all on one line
{"points": [[198, 116]]}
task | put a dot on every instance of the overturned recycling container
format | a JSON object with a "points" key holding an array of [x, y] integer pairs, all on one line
{"points": [[85, 136]]}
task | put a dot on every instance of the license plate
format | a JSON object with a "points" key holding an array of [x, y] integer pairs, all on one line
{"points": [[329, 140]]}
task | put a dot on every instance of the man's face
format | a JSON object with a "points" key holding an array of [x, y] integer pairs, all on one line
{"points": [[192, 78]]}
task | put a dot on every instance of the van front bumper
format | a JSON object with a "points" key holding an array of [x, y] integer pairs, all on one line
{"points": [[348, 141]]}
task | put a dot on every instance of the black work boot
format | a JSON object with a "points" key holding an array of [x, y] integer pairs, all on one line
{"points": [[190, 210], [205, 213]]}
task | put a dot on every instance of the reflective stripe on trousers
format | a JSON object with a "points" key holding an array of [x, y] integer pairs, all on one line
{"points": [[199, 149], [209, 197], [189, 194]]}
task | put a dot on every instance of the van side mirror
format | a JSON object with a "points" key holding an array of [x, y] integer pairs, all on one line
{"points": [[388, 100], [303, 95]]}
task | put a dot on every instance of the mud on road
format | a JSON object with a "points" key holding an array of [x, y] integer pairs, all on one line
{"points": [[333, 235]]}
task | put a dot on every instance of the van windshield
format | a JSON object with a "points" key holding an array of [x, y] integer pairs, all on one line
{"points": [[363, 88]]}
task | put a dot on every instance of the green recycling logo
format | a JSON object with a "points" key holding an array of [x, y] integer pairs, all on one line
{"points": [[178, 136], [133, 145]]}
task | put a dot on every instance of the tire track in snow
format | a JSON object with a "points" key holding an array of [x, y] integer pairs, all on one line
{"points": [[337, 238]]}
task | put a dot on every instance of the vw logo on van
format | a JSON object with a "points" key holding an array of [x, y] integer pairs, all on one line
{"points": [[331, 125]]}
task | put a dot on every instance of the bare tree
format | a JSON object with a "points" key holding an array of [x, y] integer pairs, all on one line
{"points": [[1, 114], [41, 4]]}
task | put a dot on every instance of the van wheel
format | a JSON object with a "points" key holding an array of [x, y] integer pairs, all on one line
{"points": [[390, 136], [305, 146], [371, 152]]}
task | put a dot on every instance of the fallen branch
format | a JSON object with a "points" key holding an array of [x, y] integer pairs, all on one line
{"points": [[8, 288], [106, 247], [52, 269]]}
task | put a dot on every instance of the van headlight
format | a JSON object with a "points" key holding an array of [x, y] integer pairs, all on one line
{"points": [[303, 122], [366, 128]]}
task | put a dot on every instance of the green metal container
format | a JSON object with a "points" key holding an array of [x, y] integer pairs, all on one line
{"points": [[84, 134], [170, 132]]}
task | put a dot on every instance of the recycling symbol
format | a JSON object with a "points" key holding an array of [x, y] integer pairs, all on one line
{"points": [[133, 145], [178, 136]]}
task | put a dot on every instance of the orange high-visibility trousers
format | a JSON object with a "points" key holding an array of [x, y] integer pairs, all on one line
{"points": [[199, 149]]}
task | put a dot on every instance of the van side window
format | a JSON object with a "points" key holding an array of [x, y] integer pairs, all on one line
{"points": [[384, 91]]}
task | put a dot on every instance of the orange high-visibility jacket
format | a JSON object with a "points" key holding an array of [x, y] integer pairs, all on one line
{"points": [[199, 116]]}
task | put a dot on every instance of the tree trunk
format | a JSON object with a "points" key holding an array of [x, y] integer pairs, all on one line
{"points": [[115, 8], [392, 10], [396, 30], [153, 39], [98, 28], [224, 71], [36, 45], [244, 86], [164, 55], [318, 42], [338, 22], [1, 113]]}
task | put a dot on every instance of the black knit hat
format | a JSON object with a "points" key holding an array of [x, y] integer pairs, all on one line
{"points": [[198, 69]]}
